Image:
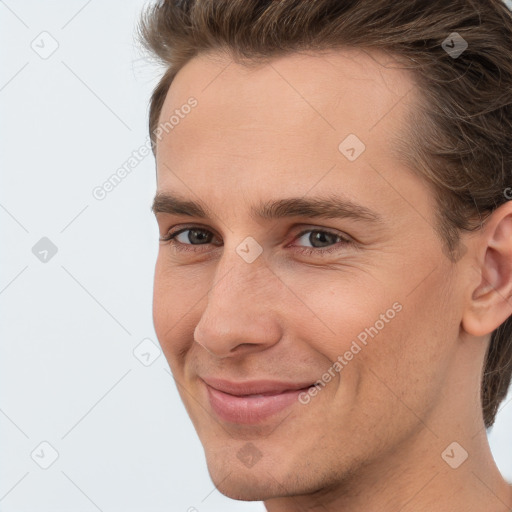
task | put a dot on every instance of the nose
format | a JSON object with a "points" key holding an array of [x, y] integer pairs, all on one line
{"points": [[239, 317]]}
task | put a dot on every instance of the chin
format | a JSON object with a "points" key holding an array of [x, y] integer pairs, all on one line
{"points": [[279, 476], [246, 485], [261, 482]]}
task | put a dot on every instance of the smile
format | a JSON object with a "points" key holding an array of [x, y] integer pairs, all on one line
{"points": [[253, 402]]}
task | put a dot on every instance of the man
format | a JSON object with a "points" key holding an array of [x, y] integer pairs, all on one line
{"points": [[334, 279]]}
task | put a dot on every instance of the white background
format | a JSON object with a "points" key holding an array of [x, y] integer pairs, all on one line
{"points": [[68, 375]]}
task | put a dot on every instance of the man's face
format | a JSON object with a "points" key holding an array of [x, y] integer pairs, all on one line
{"points": [[367, 289]]}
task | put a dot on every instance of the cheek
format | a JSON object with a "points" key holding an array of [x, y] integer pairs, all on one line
{"points": [[345, 307], [175, 290], [408, 362], [174, 303], [381, 332], [163, 300]]}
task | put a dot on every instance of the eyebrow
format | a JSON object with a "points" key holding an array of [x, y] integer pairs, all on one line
{"points": [[330, 207]]}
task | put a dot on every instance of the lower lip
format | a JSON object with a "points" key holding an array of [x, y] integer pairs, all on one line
{"points": [[250, 409]]}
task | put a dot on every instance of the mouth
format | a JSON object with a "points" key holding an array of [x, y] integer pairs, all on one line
{"points": [[251, 402]]}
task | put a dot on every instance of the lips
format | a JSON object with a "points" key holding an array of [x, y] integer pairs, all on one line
{"points": [[251, 402]]}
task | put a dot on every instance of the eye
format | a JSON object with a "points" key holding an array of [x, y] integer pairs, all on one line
{"points": [[193, 236], [186, 238], [319, 239]]}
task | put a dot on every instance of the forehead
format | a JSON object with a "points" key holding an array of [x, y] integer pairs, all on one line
{"points": [[346, 88], [280, 123]]}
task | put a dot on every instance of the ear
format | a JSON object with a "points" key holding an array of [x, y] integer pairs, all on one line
{"points": [[490, 302]]}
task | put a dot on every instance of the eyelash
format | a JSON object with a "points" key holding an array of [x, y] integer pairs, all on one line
{"points": [[343, 242]]}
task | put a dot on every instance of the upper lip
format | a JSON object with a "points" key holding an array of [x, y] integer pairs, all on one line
{"points": [[254, 387]]}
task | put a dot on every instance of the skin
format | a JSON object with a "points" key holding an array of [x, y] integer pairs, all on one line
{"points": [[373, 437]]}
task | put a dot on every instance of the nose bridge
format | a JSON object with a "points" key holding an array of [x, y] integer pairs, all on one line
{"points": [[238, 306]]}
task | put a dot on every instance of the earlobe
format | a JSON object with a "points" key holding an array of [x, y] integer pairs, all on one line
{"points": [[491, 300]]}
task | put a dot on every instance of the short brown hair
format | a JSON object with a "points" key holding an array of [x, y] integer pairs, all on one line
{"points": [[460, 134]]}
